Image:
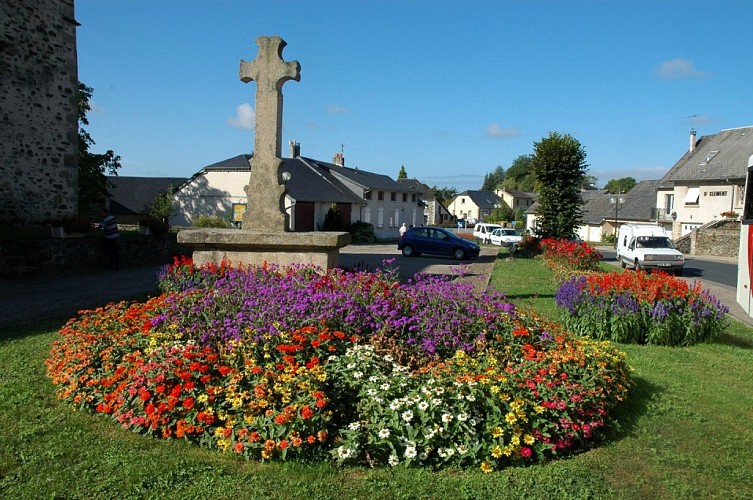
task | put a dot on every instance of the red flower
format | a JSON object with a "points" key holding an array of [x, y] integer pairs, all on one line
{"points": [[525, 452], [188, 403], [239, 447], [306, 412]]}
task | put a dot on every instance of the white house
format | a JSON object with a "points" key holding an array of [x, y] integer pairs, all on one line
{"points": [[474, 204], [706, 182], [314, 187]]}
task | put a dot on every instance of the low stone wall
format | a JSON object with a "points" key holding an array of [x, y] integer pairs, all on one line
{"points": [[721, 242], [75, 255]]}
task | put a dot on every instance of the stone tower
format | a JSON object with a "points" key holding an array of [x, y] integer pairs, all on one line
{"points": [[38, 110]]}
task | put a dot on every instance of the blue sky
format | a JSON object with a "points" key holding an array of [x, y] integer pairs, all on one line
{"points": [[451, 89]]}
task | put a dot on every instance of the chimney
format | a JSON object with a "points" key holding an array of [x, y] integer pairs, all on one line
{"points": [[295, 149], [339, 159], [692, 140]]}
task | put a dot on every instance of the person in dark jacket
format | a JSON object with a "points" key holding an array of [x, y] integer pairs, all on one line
{"points": [[109, 227]]}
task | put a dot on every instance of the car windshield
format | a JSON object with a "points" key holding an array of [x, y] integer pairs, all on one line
{"points": [[654, 242]]}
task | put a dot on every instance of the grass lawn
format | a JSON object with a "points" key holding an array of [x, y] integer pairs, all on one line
{"points": [[687, 431]]}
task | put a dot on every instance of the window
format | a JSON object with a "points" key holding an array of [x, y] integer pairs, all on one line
{"points": [[367, 215], [393, 196], [669, 203], [380, 195], [367, 195], [462, 201], [380, 217], [691, 197], [413, 197], [405, 196]]}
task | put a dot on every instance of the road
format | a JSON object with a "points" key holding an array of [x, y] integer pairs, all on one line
{"points": [[717, 269]]}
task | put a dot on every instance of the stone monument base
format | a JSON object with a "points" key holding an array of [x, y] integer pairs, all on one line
{"points": [[240, 247]]}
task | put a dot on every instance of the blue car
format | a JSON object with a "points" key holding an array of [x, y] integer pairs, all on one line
{"points": [[437, 241]]}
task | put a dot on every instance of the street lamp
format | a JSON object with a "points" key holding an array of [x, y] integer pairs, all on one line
{"points": [[617, 200]]}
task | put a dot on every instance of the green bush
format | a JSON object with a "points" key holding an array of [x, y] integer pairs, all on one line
{"points": [[362, 232], [210, 221]]}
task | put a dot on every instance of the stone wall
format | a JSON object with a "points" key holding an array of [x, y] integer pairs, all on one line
{"points": [[54, 256], [38, 110], [720, 239]]}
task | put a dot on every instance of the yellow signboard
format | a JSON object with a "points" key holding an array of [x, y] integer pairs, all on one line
{"points": [[238, 210]]}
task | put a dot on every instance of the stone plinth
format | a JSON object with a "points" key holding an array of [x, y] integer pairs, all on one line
{"points": [[246, 248]]}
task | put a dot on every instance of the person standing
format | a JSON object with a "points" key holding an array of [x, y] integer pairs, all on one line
{"points": [[109, 227], [403, 229]]}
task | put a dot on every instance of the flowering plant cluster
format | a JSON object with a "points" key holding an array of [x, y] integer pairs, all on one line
{"points": [[641, 308], [567, 258], [274, 363]]}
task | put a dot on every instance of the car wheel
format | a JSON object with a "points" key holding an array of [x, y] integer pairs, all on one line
{"points": [[458, 253], [622, 262], [637, 266], [408, 251]]}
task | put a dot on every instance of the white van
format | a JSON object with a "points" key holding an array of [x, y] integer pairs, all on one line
{"points": [[647, 246], [483, 231]]}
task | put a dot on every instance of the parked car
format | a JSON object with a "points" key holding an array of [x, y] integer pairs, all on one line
{"points": [[647, 247], [483, 230], [505, 237], [437, 241]]}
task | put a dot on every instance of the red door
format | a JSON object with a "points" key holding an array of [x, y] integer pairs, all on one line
{"points": [[304, 216], [345, 212]]}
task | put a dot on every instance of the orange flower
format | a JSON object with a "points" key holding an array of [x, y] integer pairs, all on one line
{"points": [[239, 447], [306, 412]]}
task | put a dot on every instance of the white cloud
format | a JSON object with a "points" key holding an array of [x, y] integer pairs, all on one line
{"points": [[494, 131], [337, 110], [245, 116], [679, 69]]}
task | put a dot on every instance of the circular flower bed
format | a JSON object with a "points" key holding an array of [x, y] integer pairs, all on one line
{"points": [[274, 363]]}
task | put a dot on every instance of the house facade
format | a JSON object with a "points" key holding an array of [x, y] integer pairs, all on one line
{"points": [[434, 212], [474, 205], [706, 182], [516, 200], [313, 189]]}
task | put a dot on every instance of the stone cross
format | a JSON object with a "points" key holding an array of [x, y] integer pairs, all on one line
{"points": [[266, 191]]}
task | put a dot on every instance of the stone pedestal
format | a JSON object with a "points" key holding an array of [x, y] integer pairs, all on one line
{"points": [[241, 247]]}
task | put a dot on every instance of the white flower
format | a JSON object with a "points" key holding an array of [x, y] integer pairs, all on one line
{"points": [[470, 397], [344, 452], [371, 392], [385, 387], [463, 417], [462, 449], [408, 416], [423, 405], [395, 405], [410, 452], [446, 452], [393, 460], [439, 390], [378, 399], [430, 433], [373, 379], [354, 426], [388, 358], [436, 401], [384, 433], [351, 366], [357, 374], [446, 418]]}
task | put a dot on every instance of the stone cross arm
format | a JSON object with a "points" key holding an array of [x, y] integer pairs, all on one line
{"points": [[269, 70]]}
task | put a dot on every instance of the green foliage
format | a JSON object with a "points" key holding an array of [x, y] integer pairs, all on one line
{"points": [[158, 226], [402, 174], [622, 185], [493, 180], [502, 213], [362, 232], [519, 176], [445, 194], [608, 238], [163, 204], [559, 167], [210, 221], [333, 220], [92, 167]]}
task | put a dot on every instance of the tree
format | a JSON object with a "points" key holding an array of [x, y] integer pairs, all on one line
{"points": [[492, 180], [519, 176], [92, 167], [402, 174], [559, 166], [503, 213], [620, 185], [445, 194]]}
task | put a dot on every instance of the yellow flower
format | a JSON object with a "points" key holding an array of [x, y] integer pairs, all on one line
{"points": [[515, 441], [249, 419], [496, 452], [510, 418], [202, 398], [528, 439], [486, 467], [497, 432], [494, 389]]}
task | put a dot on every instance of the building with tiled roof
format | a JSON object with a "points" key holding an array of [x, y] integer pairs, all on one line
{"points": [[474, 205]]}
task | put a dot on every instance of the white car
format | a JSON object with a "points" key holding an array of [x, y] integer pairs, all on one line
{"points": [[505, 237], [483, 231]]}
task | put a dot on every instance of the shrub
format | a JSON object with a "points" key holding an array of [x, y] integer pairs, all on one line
{"points": [[158, 226], [362, 232], [76, 224], [569, 258], [210, 221], [528, 248], [641, 308], [274, 363]]}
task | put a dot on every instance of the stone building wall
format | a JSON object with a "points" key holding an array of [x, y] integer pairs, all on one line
{"points": [[38, 110], [721, 242]]}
